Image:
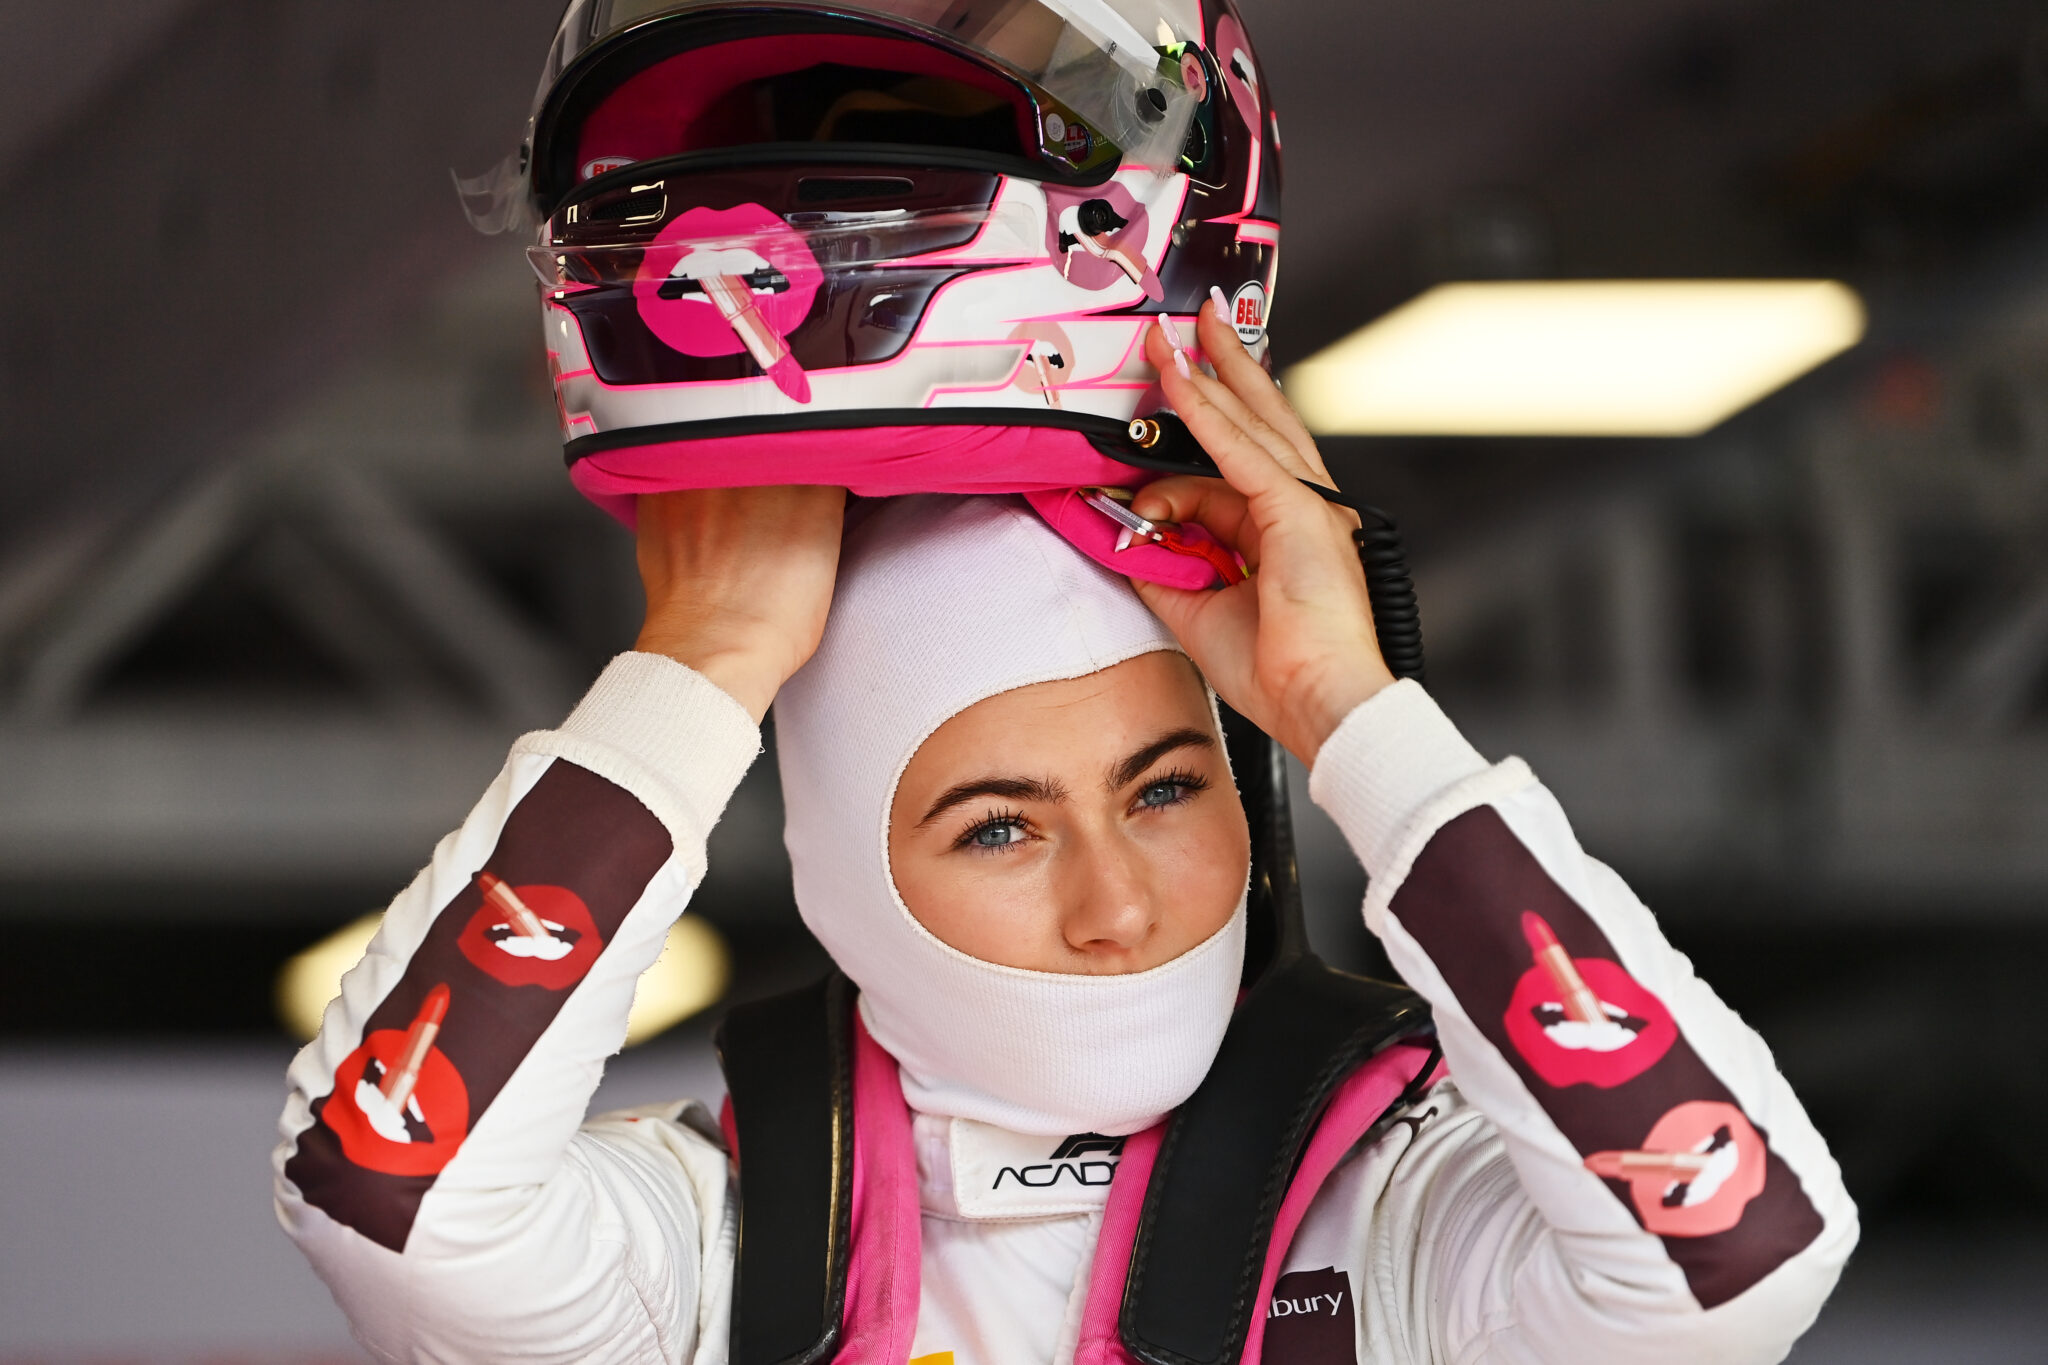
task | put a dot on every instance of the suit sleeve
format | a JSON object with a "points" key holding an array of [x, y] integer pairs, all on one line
{"points": [[435, 1166], [1670, 1199]]}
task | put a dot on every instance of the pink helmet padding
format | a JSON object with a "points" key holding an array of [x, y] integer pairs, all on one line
{"points": [[674, 106], [882, 462], [1095, 535]]}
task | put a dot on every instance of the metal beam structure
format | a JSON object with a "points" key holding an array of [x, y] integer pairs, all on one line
{"points": [[261, 191]]}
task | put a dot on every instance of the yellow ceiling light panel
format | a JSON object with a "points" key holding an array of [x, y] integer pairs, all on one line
{"points": [[1574, 357], [690, 976]]}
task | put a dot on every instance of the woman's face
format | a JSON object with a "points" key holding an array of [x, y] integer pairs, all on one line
{"points": [[1086, 826]]}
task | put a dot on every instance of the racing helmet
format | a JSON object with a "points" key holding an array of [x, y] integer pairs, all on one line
{"points": [[896, 245]]}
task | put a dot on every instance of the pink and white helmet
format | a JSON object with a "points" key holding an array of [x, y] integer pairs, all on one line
{"points": [[898, 245]]}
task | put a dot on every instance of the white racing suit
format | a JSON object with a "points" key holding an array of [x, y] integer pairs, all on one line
{"points": [[1614, 1171]]}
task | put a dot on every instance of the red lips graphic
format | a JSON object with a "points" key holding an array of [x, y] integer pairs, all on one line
{"points": [[1696, 1171], [531, 935], [399, 1106], [1583, 1021]]}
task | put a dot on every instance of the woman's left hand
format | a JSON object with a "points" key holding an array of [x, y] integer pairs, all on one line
{"points": [[1292, 647]]}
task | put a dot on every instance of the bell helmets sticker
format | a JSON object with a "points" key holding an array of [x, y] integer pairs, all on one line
{"points": [[1248, 313], [599, 165], [722, 281]]}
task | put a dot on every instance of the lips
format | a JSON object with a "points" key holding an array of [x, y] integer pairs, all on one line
{"points": [[725, 281], [556, 960], [399, 1106], [1696, 1171], [1583, 1020]]}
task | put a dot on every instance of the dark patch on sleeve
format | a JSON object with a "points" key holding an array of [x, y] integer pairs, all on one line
{"points": [[579, 851], [1469, 902], [1311, 1320]]}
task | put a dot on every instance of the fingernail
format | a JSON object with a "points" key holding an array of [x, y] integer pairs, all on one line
{"points": [[1180, 362], [1222, 308], [1172, 333]]}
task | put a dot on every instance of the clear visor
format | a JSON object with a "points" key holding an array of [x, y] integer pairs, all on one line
{"points": [[763, 252], [1087, 54]]}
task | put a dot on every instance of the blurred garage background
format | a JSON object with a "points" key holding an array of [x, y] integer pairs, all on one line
{"points": [[287, 558]]}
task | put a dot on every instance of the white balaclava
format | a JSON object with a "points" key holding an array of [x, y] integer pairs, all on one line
{"points": [[943, 601]]}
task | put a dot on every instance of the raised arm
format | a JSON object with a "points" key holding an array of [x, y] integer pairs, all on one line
{"points": [[1671, 1199], [432, 1165], [1654, 1190]]}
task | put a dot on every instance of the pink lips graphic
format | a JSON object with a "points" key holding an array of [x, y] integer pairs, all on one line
{"points": [[1583, 1021], [722, 281]]}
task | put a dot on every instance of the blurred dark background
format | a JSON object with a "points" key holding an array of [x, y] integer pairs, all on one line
{"points": [[287, 557]]}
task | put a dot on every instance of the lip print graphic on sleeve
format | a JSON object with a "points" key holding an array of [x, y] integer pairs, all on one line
{"points": [[533, 935], [722, 281], [1695, 1173], [399, 1105], [1583, 1021]]}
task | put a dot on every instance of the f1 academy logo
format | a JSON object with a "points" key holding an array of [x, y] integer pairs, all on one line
{"points": [[1070, 1162]]}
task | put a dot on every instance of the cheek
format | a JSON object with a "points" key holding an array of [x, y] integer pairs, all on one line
{"points": [[1207, 864], [995, 907]]}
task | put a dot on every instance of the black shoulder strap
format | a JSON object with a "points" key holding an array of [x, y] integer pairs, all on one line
{"points": [[788, 1065], [1231, 1151]]}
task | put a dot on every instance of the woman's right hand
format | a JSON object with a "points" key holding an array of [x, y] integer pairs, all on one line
{"points": [[739, 581]]}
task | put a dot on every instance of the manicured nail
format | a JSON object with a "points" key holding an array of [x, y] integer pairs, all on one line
{"points": [[1222, 308], [1172, 333], [1180, 362]]}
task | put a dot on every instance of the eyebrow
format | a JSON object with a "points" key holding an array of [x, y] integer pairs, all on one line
{"points": [[1132, 768], [1050, 791], [1008, 788]]}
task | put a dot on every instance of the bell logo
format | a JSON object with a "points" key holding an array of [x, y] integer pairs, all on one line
{"points": [[1248, 313], [597, 166]]}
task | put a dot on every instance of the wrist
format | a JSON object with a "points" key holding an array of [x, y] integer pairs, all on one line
{"points": [[1330, 704], [750, 676]]}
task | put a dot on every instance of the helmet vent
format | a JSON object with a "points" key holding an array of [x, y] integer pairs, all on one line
{"points": [[630, 208], [830, 189]]}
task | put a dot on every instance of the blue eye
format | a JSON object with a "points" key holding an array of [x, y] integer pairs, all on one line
{"points": [[1162, 794], [995, 832]]}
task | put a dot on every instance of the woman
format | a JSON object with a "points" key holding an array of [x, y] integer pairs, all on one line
{"points": [[1013, 826]]}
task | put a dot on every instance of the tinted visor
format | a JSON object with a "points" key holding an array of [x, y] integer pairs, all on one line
{"points": [[1014, 86]]}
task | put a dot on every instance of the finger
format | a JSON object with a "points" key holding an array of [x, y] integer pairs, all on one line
{"points": [[1161, 353], [1175, 607], [1248, 381], [1211, 504], [1249, 465]]}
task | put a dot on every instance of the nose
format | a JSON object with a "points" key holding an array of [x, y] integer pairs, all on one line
{"points": [[1111, 901]]}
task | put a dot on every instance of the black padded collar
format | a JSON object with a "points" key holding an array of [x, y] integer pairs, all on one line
{"points": [[1222, 1170], [788, 1065], [1231, 1151]]}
